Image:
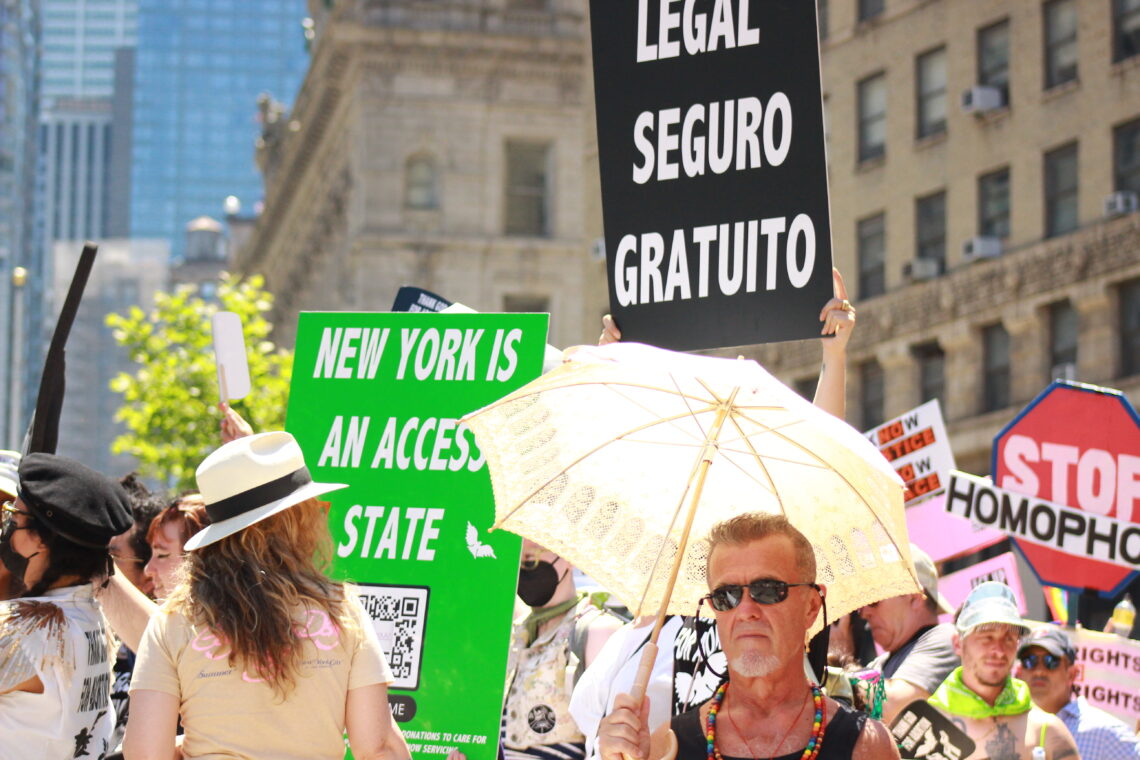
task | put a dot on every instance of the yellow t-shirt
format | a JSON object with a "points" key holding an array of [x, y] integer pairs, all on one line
{"points": [[228, 713]]}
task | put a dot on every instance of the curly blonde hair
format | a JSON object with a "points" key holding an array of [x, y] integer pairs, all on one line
{"points": [[249, 587]]}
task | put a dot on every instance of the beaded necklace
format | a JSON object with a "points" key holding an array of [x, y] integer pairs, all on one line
{"points": [[818, 726]]}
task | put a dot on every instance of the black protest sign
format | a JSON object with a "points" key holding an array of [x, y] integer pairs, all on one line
{"points": [[698, 663], [714, 178], [410, 298], [921, 731]]}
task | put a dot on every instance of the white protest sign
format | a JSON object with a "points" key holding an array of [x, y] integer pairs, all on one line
{"points": [[1077, 533], [229, 351], [918, 448], [1109, 672]]}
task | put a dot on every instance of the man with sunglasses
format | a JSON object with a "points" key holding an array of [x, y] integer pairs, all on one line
{"points": [[1047, 662], [761, 572], [981, 697]]}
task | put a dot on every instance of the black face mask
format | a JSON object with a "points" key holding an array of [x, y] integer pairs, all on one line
{"points": [[538, 584], [16, 563]]}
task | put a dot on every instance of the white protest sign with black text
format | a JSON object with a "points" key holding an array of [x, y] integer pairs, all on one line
{"points": [[714, 178], [1043, 523], [918, 448]]}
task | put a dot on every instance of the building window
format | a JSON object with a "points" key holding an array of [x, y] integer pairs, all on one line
{"points": [[1060, 42], [995, 380], [821, 10], [931, 371], [1061, 190], [527, 189], [1130, 328], [1125, 29], [872, 117], [930, 228], [871, 393], [993, 204], [526, 303], [1064, 329], [1126, 152], [869, 9], [993, 57], [872, 256], [930, 77], [421, 183]]}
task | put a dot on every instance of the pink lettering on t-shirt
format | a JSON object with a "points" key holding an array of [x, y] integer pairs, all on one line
{"points": [[319, 628], [210, 645]]}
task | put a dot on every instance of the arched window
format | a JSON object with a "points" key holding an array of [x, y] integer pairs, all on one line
{"points": [[421, 183]]}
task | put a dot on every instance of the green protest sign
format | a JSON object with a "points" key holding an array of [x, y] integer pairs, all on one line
{"points": [[375, 401]]}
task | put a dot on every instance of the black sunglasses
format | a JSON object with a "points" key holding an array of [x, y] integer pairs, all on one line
{"points": [[1052, 661], [762, 591]]}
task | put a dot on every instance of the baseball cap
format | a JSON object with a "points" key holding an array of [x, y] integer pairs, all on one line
{"points": [[1052, 639], [928, 577], [990, 602]]}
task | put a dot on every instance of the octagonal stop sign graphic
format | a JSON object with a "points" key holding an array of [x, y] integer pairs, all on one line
{"points": [[1079, 446]]}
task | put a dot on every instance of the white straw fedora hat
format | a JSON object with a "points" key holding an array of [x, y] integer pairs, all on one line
{"points": [[250, 479]]}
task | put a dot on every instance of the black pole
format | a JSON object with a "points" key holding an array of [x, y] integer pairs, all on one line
{"points": [[43, 433]]}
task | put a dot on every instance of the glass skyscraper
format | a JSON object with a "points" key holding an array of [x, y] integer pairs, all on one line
{"points": [[200, 67], [19, 293]]}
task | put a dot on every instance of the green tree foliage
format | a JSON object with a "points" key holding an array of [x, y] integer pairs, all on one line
{"points": [[170, 403]]}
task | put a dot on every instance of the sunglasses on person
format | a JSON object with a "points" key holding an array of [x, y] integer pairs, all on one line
{"points": [[1051, 661], [762, 591], [9, 513]]}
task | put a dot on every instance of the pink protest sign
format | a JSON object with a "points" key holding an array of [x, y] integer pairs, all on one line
{"points": [[957, 586], [1109, 664], [943, 535]]}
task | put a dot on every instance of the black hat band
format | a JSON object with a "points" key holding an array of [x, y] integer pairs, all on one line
{"points": [[266, 493]]}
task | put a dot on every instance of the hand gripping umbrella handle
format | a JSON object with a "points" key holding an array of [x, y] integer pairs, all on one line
{"points": [[641, 683]]}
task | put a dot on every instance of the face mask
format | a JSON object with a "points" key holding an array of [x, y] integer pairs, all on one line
{"points": [[538, 584], [16, 563]]}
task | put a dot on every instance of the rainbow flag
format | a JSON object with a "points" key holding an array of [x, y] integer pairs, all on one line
{"points": [[1058, 601]]}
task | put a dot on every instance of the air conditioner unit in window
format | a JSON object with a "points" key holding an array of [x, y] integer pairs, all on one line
{"points": [[1121, 202], [922, 269], [981, 247], [981, 98], [1064, 371]]}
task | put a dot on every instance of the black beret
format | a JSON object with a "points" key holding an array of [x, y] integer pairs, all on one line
{"points": [[73, 500]]}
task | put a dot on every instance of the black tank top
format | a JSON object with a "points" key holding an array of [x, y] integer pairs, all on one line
{"points": [[843, 729]]}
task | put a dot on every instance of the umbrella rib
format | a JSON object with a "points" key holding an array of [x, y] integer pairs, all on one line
{"points": [[519, 394], [649, 411], [745, 472], [684, 398], [706, 458], [823, 465], [759, 461], [584, 456]]}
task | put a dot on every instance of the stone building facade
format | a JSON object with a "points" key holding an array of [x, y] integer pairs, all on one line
{"points": [[437, 146], [454, 148], [1025, 276]]}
